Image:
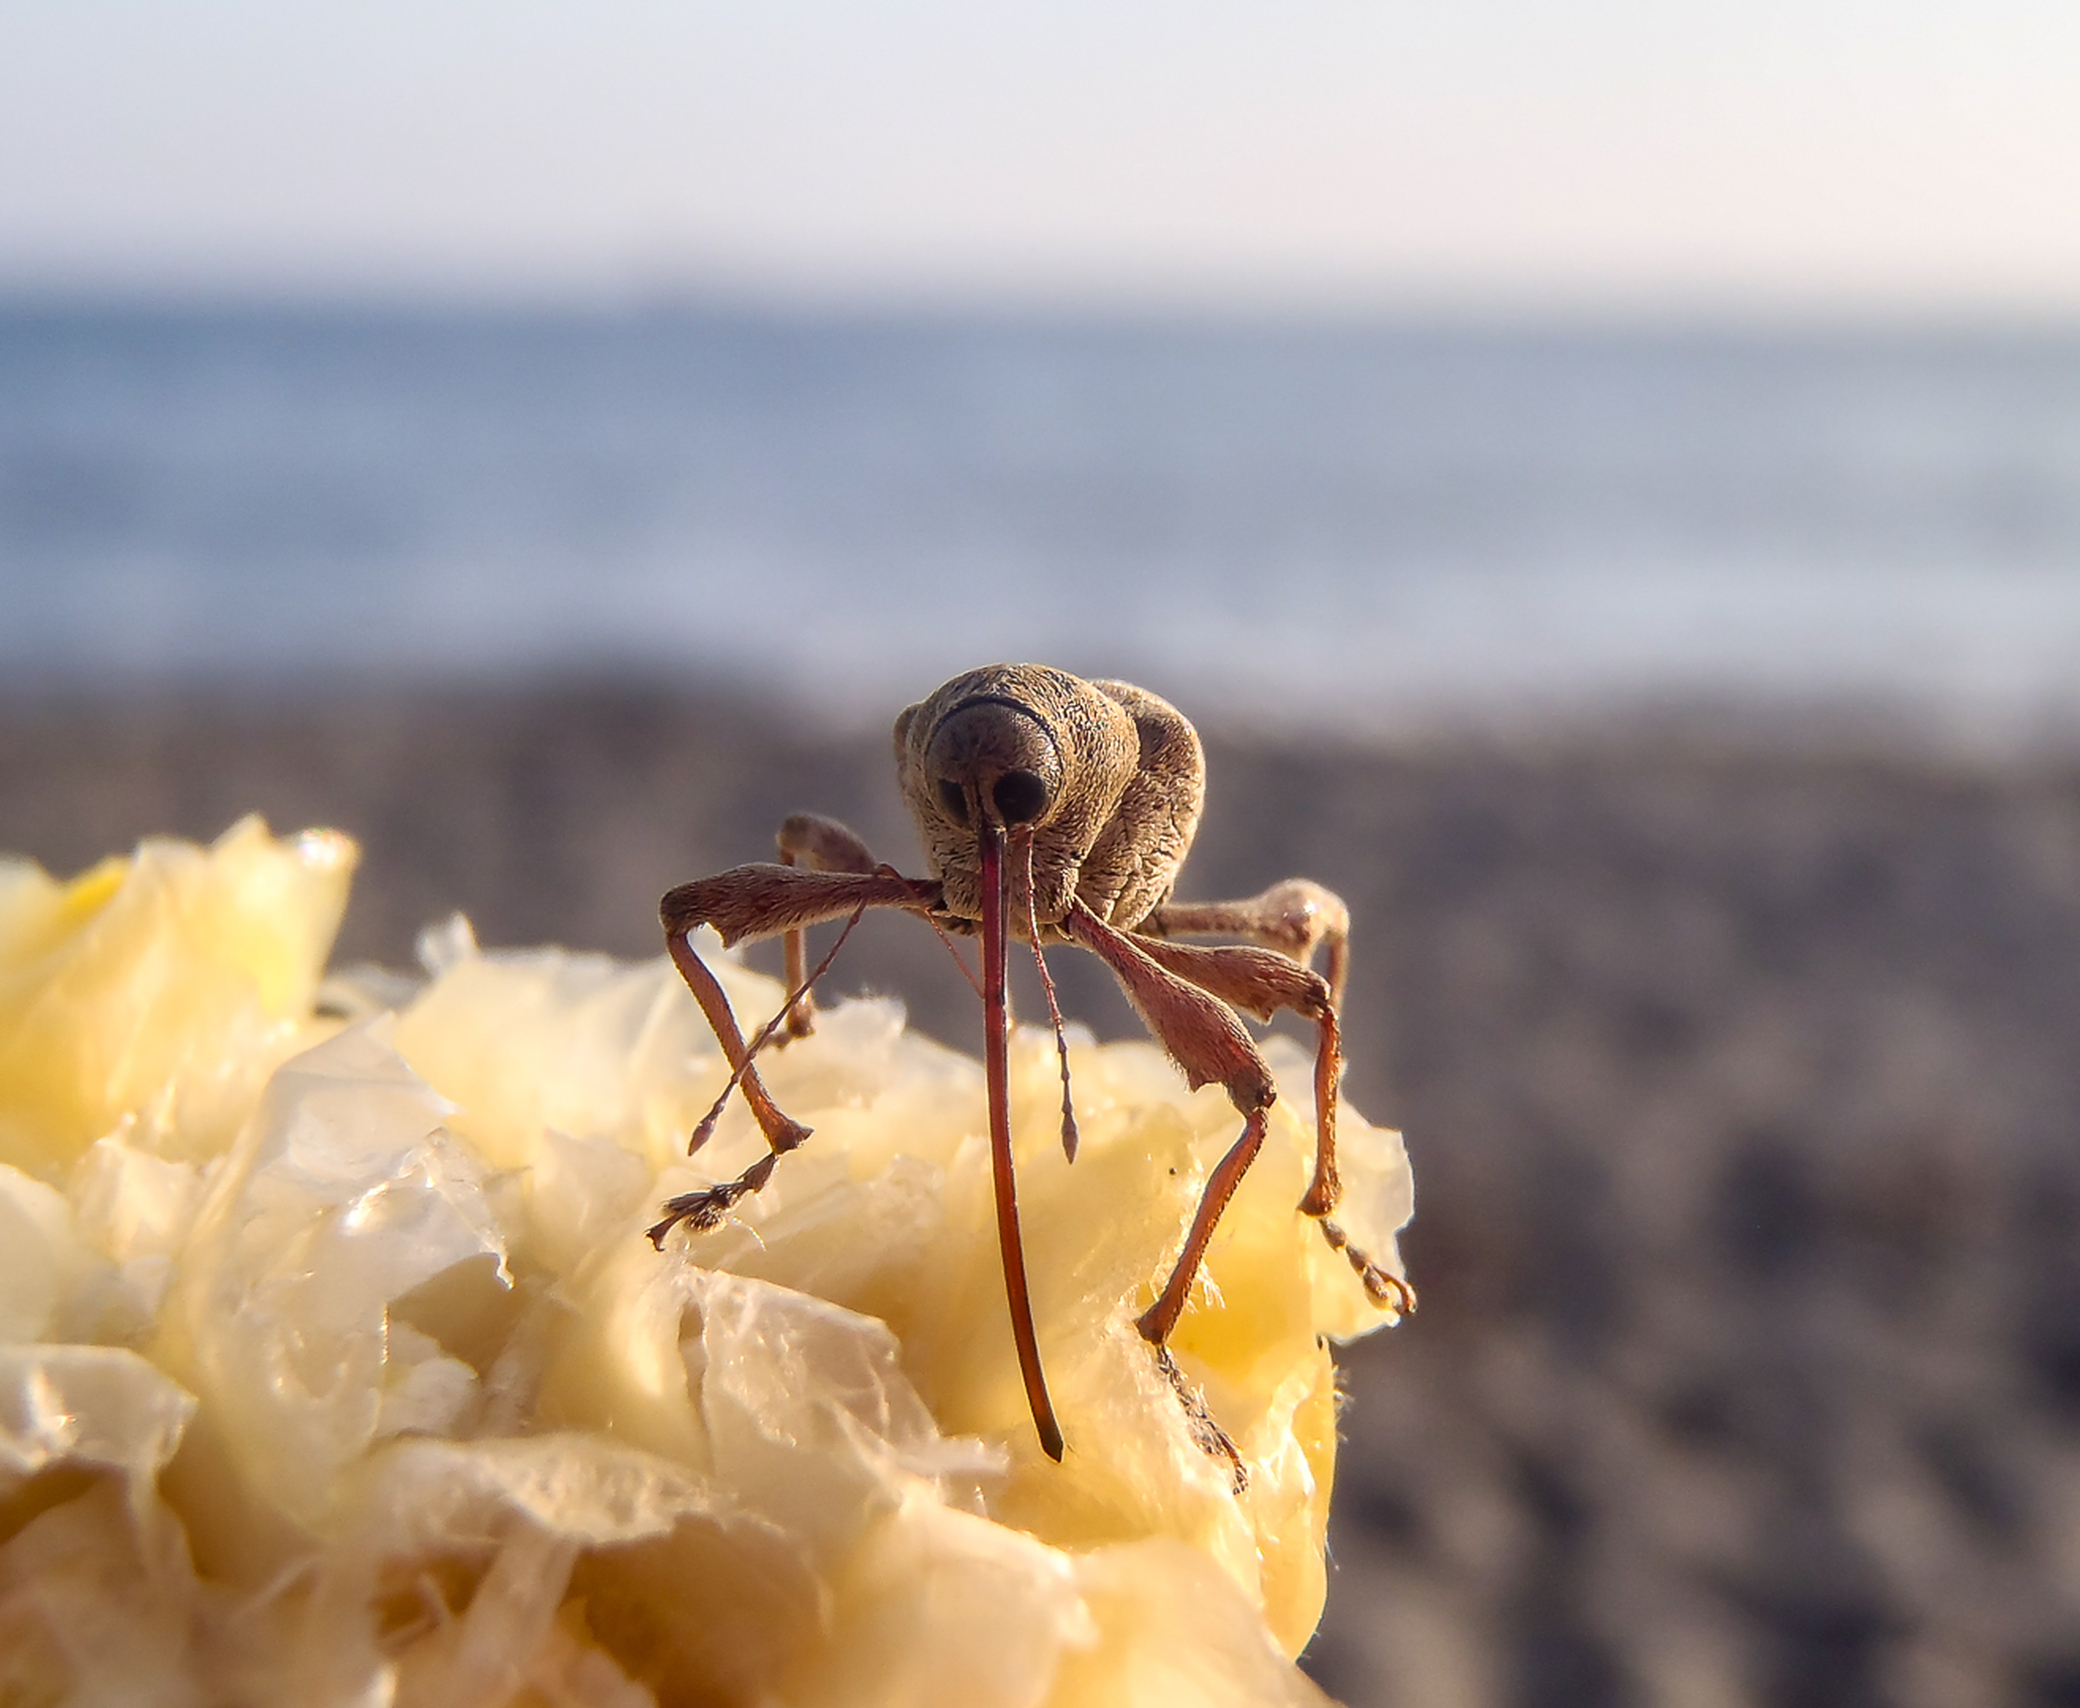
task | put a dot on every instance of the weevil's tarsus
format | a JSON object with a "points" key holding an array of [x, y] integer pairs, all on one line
{"points": [[1207, 1435], [1054, 1007], [706, 1210], [996, 1034], [1382, 1286]]}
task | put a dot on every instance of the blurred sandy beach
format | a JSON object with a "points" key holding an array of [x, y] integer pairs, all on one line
{"points": [[1738, 1076]]}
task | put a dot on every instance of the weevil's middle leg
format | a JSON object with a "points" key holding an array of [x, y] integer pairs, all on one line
{"points": [[1257, 981], [1203, 1037], [1293, 917], [1261, 982], [823, 845]]}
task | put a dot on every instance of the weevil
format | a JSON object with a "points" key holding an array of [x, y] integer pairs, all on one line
{"points": [[1053, 810]]}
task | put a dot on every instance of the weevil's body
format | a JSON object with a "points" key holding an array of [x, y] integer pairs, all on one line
{"points": [[1120, 776], [1053, 810]]}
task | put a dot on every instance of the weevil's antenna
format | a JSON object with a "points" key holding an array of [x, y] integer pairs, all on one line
{"points": [[1054, 1008], [952, 948], [764, 1036]]}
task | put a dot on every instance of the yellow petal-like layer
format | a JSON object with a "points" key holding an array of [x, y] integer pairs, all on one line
{"points": [[154, 994], [345, 1373]]}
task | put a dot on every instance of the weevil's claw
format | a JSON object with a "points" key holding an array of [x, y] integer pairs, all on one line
{"points": [[703, 1211], [706, 1210], [1387, 1290], [1207, 1436], [1384, 1288]]}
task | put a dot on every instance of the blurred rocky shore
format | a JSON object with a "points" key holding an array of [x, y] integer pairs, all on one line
{"points": [[1742, 1079]]}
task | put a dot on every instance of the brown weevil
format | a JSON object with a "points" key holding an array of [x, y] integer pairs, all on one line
{"points": [[1052, 810]]}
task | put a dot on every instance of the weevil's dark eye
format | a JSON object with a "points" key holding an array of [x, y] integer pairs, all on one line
{"points": [[955, 800], [1021, 796]]}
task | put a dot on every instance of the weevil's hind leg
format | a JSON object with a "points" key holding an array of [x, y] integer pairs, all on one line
{"points": [[755, 901], [822, 845], [1260, 982], [1292, 917]]}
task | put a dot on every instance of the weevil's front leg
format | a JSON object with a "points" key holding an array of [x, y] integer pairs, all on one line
{"points": [[743, 903], [1259, 982], [1291, 917], [823, 845], [1205, 1039]]}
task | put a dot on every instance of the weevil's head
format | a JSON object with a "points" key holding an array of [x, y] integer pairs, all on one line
{"points": [[1020, 753], [992, 759]]}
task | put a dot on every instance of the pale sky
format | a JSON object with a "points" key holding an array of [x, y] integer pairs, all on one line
{"points": [[1833, 155]]}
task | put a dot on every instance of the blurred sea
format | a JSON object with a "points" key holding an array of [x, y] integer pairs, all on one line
{"points": [[1307, 524]]}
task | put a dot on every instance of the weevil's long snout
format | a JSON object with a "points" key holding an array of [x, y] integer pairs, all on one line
{"points": [[996, 1016], [993, 760]]}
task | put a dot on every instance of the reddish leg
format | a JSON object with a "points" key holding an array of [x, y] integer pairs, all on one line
{"points": [[1208, 1042], [823, 845], [748, 902], [1291, 917], [1183, 995], [1260, 982]]}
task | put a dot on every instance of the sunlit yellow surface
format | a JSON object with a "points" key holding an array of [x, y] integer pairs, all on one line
{"points": [[158, 990], [335, 1368]]}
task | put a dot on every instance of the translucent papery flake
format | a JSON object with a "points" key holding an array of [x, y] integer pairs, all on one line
{"points": [[342, 1197], [810, 1416], [97, 1598]]}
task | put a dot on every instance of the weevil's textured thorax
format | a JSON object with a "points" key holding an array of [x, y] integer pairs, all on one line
{"points": [[1118, 771]]}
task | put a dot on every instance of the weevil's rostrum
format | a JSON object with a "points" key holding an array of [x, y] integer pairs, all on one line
{"points": [[1052, 810]]}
